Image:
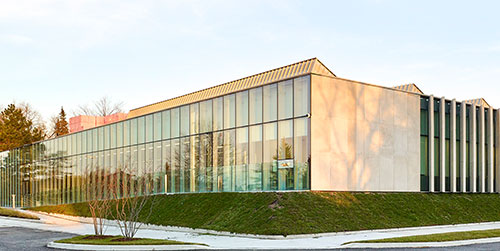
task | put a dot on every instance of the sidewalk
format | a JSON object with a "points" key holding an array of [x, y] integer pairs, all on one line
{"points": [[77, 225]]}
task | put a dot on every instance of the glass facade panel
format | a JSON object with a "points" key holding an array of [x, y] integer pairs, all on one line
{"points": [[285, 155], [301, 96], [424, 166], [142, 168], [206, 162], [458, 157], [113, 174], [149, 128], [141, 130], [229, 111], [270, 157], [201, 147], [133, 172], [112, 136], [174, 122], [255, 158], [302, 153], [165, 118], [149, 179], [195, 163], [175, 159], [120, 166], [270, 102], [241, 170], [255, 105], [159, 172], [78, 145], [166, 168], [100, 140], [184, 126], [107, 172], [89, 143], [206, 116], [218, 114], [424, 144], [242, 108], [157, 126], [194, 118], [133, 131], [218, 161], [126, 133], [229, 161], [285, 99], [185, 172], [119, 134]]}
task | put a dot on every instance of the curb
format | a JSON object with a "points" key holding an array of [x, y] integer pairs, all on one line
{"points": [[122, 247], [19, 219], [422, 244]]}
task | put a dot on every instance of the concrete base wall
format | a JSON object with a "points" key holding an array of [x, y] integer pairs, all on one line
{"points": [[363, 137]]}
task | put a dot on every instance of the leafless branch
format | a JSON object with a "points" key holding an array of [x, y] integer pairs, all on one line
{"points": [[102, 107], [99, 206], [129, 193]]}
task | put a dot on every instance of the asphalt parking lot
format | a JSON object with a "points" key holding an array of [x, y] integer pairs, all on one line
{"points": [[20, 238]]}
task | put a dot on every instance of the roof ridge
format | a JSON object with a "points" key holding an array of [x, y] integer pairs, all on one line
{"points": [[477, 101], [406, 88], [288, 71]]}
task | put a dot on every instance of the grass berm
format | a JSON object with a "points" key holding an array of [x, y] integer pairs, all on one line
{"points": [[274, 213]]}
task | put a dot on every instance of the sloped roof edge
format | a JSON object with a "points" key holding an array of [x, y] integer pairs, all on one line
{"points": [[478, 102], [409, 88], [308, 66]]}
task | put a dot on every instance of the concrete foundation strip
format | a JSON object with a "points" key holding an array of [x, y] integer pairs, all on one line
{"points": [[122, 247], [421, 244]]}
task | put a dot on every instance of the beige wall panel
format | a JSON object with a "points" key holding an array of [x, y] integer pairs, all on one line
{"points": [[363, 137], [371, 174], [386, 172], [386, 107], [413, 183], [400, 172]]}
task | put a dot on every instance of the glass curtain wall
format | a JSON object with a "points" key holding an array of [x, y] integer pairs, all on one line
{"points": [[424, 146], [253, 140]]}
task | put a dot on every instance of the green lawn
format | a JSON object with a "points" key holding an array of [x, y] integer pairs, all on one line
{"points": [[14, 213], [455, 236], [115, 240], [311, 212]]}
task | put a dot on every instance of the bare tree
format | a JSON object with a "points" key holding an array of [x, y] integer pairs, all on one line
{"points": [[99, 206], [102, 107], [31, 114], [130, 195], [83, 110], [52, 121], [38, 124], [105, 107]]}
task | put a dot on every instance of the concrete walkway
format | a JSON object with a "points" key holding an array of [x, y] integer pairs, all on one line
{"points": [[76, 225]]}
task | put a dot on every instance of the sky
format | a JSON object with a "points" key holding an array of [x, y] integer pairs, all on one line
{"points": [[70, 53]]}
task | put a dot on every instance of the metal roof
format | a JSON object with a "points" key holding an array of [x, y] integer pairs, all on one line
{"points": [[409, 88], [308, 66], [478, 102]]}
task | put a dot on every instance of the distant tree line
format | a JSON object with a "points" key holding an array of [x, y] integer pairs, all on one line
{"points": [[18, 127], [21, 124]]}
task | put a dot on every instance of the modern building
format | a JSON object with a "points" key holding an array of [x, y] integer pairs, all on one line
{"points": [[295, 128]]}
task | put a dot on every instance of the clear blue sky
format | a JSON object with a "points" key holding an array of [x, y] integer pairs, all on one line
{"points": [[66, 53]]}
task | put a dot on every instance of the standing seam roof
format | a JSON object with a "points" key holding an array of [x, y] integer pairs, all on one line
{"points": [[312, 65]]}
